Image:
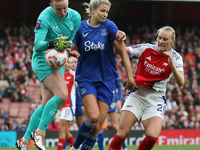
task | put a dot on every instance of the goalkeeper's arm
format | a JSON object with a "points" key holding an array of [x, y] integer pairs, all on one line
{"points": [[41, 45], [60, 44]]}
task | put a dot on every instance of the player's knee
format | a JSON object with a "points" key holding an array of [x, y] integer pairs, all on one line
{"points": [[63, 96], [115, 126], [93, 118], [61, 128], [122, 134]]}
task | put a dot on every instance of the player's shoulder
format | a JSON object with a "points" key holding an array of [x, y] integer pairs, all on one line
{"points": [[47, 13], [83, 24], [144, 46], [73, 14], [176, 55], [109, 22]]}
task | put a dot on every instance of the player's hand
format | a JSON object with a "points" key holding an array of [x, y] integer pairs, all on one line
{"points": [[120, 36], [130, 85], [60, 44], [170, 59], [119, 105], [74, 53]]}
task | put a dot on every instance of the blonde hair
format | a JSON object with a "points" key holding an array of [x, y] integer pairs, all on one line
{"points": [[95, 4], [168, 28]]}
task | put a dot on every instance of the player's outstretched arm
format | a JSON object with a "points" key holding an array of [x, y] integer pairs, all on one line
{"points": [[122, 51], [120, 35], [73, 51], [60, 44]]}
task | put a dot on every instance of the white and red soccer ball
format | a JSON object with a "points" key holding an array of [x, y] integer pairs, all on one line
{"points": [[55, 59]]}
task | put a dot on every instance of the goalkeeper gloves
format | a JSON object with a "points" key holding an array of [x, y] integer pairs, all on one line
{"points": [[60, 44]]}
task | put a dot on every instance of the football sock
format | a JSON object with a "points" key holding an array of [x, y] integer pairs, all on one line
{"points": [[100, 138], [83, 132], [64, 147], [116, 143], [89, 142], [50, 111], [124, 145], [34, 122], [61, 143], [70, 141], [147, 143]]}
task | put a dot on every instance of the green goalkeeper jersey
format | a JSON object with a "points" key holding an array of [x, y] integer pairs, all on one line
{"points": [[48, 27]]}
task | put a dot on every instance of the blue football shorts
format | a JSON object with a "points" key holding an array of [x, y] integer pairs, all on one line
{"points": [[113, 107], [103, 90], [79, 105]]}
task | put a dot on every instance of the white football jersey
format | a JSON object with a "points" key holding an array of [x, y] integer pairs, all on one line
{"points": [[153, 70]]}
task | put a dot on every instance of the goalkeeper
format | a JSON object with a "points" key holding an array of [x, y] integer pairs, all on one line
{"points": [[56, 26]]}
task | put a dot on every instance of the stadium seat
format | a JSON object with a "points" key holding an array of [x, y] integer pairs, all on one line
{"points": [[6, 106], [24, 113], [15, 105], [6, 100], [26, 105], [13, 112], [34, 91]]}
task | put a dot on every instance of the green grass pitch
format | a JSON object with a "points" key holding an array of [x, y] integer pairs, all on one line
{"points": [[156, 147]]}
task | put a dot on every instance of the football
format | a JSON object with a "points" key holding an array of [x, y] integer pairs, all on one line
{"points": [[55, 59]]}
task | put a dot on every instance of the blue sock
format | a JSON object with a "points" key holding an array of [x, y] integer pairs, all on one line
{"points": [[64, 147], [89, 142], [124, 145], [83, 132], [100, 138]]}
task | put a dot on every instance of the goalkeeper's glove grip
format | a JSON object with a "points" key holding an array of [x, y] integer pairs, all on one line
{"points": [[50, 43], [59, 44]]}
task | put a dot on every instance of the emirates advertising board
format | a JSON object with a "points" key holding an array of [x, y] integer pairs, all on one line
{"points": [[179, 137], [167, 137]]}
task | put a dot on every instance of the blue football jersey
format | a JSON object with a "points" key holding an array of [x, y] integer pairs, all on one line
{"points": [[95, 45]]}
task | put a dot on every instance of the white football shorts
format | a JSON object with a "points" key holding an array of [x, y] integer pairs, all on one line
{"points": [[65, 113], [145, 103]]}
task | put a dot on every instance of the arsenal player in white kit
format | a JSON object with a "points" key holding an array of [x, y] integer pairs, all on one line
{"points": [[157, 63]]}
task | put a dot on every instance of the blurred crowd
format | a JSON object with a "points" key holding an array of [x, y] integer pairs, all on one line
{"points": [[183, 103]]}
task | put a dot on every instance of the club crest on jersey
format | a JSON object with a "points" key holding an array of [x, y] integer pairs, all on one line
{"points": [[38, 24], [104, 32], [72, 26]]}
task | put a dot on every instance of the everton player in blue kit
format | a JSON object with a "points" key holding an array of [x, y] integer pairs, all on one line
{"points": [[96, 70]]}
